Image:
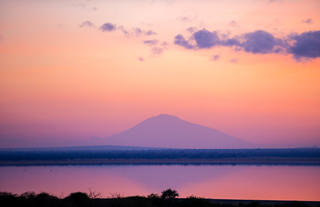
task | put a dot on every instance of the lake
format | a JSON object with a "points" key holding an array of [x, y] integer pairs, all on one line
{"points": [[210, 181]]}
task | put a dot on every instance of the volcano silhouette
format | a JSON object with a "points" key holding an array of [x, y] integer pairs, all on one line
{"points": [[172, 132]]}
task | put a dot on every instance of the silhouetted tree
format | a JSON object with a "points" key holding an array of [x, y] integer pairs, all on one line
{"points": [[169, 194]]}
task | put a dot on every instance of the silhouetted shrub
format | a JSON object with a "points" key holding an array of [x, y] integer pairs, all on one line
{"points": [[169, 194], [78, 196], [153, 196], [7, 195], [44, 199], [45, 196], [28, 195], [78, 199]]}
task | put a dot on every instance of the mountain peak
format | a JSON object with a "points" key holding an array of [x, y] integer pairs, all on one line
{"points": [[164, 116], [169, 131]]}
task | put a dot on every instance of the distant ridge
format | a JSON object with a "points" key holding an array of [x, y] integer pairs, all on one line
{"points": [[169, 131], [80, 148]]}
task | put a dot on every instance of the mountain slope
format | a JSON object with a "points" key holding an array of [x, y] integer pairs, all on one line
{"points": [[172, 132]]}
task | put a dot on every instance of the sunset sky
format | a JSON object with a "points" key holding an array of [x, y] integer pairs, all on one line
{"points": [[75, 72]]}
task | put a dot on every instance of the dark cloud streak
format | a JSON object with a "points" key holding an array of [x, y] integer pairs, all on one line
{"points": [[107, 27], [180, 40], [260, 42], [206, 39], [138, 31], [150, 42], [305, 45]]}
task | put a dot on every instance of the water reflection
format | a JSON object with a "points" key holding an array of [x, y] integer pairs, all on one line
{"points": [[239, 182]]}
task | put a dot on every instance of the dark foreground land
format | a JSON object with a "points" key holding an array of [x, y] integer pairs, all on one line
{"points": [[109, 155], [83, 200]]}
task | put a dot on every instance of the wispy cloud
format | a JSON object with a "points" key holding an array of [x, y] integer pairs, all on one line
{"points": [[187, 18], [141, 59], [307, 21], [157, 50], [108, 27], [85, 6], [181, 41], [138, 31], [87, 24], [157, 47], [191, 29], [233, 60], [233, 23], [215, 57], [150, 42]]}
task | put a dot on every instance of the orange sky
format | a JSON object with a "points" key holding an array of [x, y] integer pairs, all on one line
{"points": [[63, 84]]}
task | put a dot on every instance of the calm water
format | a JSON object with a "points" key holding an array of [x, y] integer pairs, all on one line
{"points": [[237, 182]]}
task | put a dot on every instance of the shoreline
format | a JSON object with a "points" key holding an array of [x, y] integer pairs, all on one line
{"points": [[239, 161], [262, 202]]}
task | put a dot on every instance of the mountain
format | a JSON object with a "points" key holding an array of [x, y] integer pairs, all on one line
{"points": [[172, 132]]}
